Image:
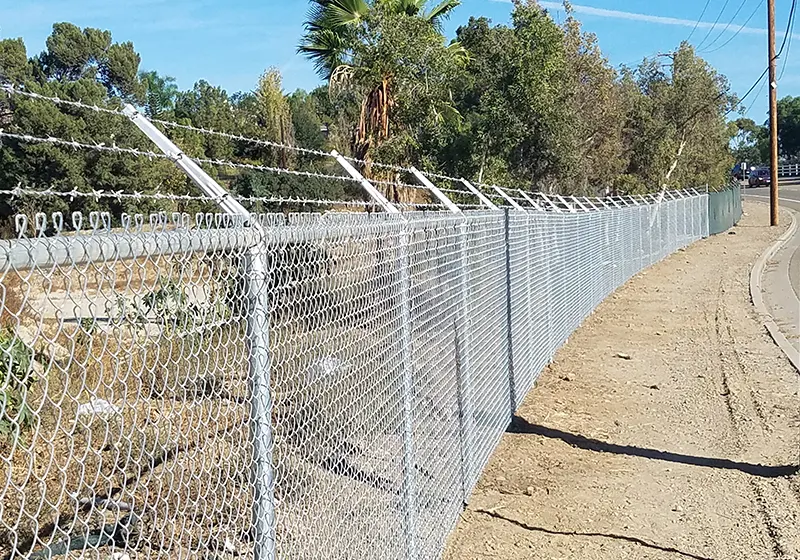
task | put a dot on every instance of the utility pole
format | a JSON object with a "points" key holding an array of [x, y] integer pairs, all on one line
{"points": [[773, 118]]}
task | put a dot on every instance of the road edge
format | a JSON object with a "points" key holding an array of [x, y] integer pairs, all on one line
{"points": [[756, 275]]}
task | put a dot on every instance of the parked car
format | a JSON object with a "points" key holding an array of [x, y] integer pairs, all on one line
{"points": [[759, 177], [739, 173]]}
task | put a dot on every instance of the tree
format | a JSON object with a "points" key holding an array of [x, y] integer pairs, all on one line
{"points": [[597, 111], [676, 131], [750, 142], [512, 98], [160, 94], [13, 61], [80, 65], [73, 54], [332, 34], [392, 56], [273, 115], [789, 128]]}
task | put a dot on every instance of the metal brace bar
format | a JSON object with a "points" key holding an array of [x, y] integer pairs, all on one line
{"points": [[514, 204], [376, 195], [449, 204], [579, 203], [566, 203], [530, 200], [553, 205], [590, 203], [186, 164], [485, 201]]}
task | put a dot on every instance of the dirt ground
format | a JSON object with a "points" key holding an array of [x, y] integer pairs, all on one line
{"points": [[668, 427]]}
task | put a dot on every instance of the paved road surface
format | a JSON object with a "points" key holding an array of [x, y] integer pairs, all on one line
{"points": [[782, 275]]}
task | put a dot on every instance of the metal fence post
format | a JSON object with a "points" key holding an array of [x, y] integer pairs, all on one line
{"points": [[464, 372], [257, 334], [261, 407], [409, 463], [404, 270], [512, 386]]}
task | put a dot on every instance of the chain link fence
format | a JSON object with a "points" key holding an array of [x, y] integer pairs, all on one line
{"points": [[724, 208], [301, 386]]}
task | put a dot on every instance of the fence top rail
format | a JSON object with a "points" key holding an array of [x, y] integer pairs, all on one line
{"points": [[96, 237]]}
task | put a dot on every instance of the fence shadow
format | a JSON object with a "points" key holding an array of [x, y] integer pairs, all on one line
{"points": [[521, 426], [634, 540]]}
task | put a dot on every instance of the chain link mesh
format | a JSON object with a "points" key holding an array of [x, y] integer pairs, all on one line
{"points": [[301, 386]]}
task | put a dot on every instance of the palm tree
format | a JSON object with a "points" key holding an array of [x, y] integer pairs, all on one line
{"points": [[331, 26], [334, 31]]}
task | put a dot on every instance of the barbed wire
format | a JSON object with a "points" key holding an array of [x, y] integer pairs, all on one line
{"points": [[83, 146], [240, 138], [121, 195], [487, 190], [8, 88]]}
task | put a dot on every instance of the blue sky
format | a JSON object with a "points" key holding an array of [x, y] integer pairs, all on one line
{"points": [[230, 43]]}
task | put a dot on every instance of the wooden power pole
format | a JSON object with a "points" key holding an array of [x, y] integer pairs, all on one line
{"points": [[773, 117]]}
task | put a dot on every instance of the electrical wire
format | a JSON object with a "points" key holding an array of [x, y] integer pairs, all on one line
{"points": [[727, 26], [789, 34], [736, 33], [713, 25], [708, 2]]}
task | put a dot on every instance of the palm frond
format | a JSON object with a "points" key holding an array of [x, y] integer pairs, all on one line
{"points": [[325, 48], [441, 12], [345, 12], [458, 52]]}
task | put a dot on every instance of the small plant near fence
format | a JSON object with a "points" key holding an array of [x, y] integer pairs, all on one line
{"points": [[16, 379]]}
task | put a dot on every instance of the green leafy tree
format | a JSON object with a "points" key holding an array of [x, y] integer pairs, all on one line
{"points": [[512, 98], [789, 128], [160, 94], [677, 134]]}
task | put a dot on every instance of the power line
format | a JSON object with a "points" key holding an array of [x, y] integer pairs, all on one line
{"points": [[736, 33], [713, 25], [789, 34], [721, 33], [699, 19], [758, 80], [758, 93], [789, 26]]}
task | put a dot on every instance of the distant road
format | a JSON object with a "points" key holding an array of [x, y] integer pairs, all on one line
{"points": [[788, 187]]}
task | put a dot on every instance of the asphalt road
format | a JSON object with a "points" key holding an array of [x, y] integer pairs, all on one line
{"points": [[783, 276]]}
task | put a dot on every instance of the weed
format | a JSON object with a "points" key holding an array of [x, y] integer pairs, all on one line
{"points": [[16, 378]]}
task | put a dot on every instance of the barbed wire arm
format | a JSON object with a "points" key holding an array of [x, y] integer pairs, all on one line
{"points": [[514, 204], [449, 204], [529, 199], [369, 187], [479, 194], [199, 177]]}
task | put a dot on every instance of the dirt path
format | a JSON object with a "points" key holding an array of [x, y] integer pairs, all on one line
{"points": [[689, 449]]}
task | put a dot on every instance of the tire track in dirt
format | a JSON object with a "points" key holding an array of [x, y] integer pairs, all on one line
{"points": [[681, 450], [743, 405]]}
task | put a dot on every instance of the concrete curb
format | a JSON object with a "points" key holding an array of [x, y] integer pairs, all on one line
{"points": [[756, 275]]}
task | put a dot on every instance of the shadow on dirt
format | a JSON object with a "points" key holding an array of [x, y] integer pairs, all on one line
{"points": [[521, 426]]}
